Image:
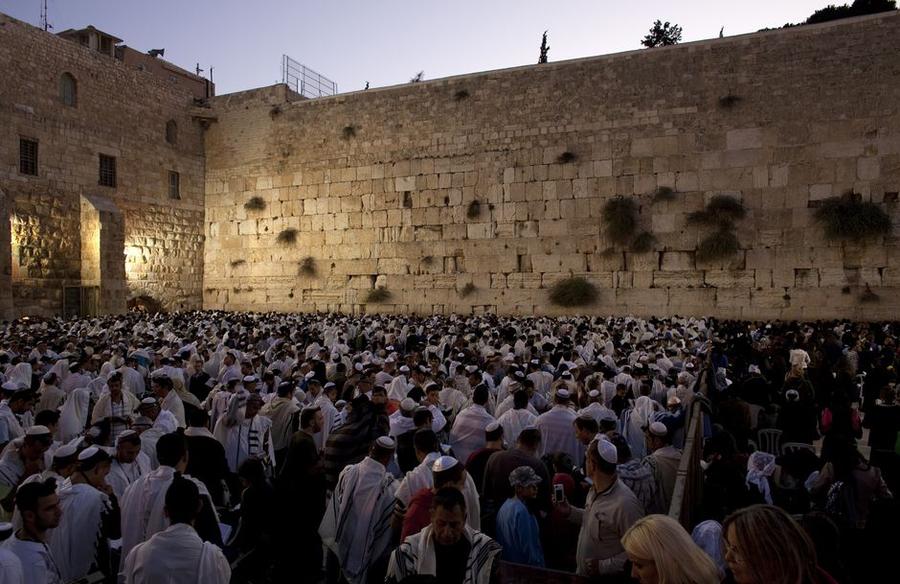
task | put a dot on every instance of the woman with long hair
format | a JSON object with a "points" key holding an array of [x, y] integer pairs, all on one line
{"points": [[764, 545], [662, 552]]}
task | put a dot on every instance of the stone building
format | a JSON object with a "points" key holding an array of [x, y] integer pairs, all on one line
{"points": [[101, 176], [470, 193]]}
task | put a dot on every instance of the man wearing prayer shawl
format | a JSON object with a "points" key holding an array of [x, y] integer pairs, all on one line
{"points": [[325, 402], [284, 413], [162, 422], [467, 434], [357, 523], [177, 555], [128, 463], [557, 428], [169, 400], [447, 547], [143, 504], [245, 434], [89, 518], [518, 418]]}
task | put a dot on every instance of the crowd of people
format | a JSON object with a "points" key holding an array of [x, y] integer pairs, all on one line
{"points": [[213, 447]]}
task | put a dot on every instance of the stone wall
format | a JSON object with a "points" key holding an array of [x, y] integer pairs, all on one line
{"points": [[120, 112], [378, 184]]}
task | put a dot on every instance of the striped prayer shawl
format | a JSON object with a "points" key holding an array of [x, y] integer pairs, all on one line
{"points": [[416, 556], [357, 522]]}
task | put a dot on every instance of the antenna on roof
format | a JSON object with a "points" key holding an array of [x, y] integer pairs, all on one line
{"points": [[157, 52], [45, 24]]}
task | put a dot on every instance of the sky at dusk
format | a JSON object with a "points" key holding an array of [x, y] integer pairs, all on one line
{"points": [[387, 42]]}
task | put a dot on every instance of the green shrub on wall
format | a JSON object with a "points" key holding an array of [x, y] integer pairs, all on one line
{"points": [[255, 204], [620, 219], [664, 194], [848, 218], [287, 236], [378, 295], [718, 245], [467, 290], [719, 210], [308, 266], [571, 292], [643, 243]]}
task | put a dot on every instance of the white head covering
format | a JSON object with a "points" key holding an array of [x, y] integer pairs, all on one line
{"points": [[760, 466], [74, 414], [708, 537]]}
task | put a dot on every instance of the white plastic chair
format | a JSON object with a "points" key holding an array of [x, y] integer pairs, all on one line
{"points": [[789, 447]]}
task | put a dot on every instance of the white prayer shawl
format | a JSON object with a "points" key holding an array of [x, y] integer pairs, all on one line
{"points": [[399, 388], [51, 397], [509, 403], [14, 428], [10, 567], [422, 477], [176, 556], [74, 415], [38, 566], [21, 375], [329, 416], [453, 400], [172, 403], [103, 407], [596, 411], [513, 422], [246, 439], [608, 391], [558, 433], [357, 522], [75, 542], [540, 382], [143, 506], [634, 422], [281, 411], [132, 380], [165, 424], [75, 381], [416, 556], [467, 434], [123, 474]]}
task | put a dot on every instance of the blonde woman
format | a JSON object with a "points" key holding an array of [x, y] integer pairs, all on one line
{"points": [[662, 552], [764, 545]]}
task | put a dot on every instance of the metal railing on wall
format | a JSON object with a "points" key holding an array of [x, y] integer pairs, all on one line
{"points": [[304, 80]]}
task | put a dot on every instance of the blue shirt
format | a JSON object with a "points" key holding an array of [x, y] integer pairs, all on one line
{"points": [[518, 534]]}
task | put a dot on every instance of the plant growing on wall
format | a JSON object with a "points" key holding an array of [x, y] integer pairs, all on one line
{"points": [[719, 210], [620, 219], [574, 291], [474, 209], [348, 132], [378, 295], [467, 290], [237, 263], [868, 296], [729, 101], [664, 194], [418, 77], [718, 245], [662, 35], [287, 236], [308, 266], [461, 95], [566, 157], [427, 260], [848, 218], [643, 243], [255, 204], [275, 111]]}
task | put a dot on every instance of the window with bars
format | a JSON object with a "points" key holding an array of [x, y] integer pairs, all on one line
{"points": [[28, 156], [107, 171], [174, 185]]}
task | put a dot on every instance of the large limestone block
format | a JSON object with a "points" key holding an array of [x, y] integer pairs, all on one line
{"points": [[680, 279]]}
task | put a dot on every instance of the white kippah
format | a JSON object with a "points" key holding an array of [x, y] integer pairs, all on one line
{"points": [[65, 451], [593, 393], [658, 429], [250, 379], [563, 393], [88, 453], [404, 369], [444, 463], [607, 451], [148, 401], [386, 442], [408, 404], [125, 434], [37, 431]]}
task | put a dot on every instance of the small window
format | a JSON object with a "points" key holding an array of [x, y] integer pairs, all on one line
{"points": [[107, 171], [68, 90], [28, 156], [174, 185], [171, 132]]}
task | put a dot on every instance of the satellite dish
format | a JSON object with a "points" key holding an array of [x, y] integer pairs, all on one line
{"points": [[156, 52]]}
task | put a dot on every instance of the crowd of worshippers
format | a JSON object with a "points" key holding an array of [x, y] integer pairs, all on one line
{"points": [[209, 447]]}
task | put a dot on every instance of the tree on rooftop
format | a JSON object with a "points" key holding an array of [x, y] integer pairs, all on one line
{"points": [[545, 49], [662, 35], [858, 8]]}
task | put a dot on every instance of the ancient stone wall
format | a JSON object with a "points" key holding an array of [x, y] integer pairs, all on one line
{"points": [[377, 187], [120, 112]]}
